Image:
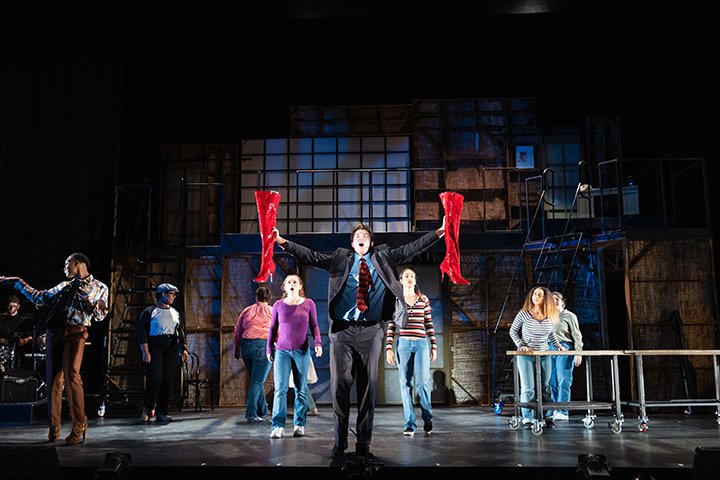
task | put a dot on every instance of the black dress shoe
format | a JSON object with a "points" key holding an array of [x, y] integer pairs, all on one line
{"points": [[338, 450], [362, 449]]}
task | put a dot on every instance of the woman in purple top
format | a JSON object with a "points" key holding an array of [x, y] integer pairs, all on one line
{"points": [[290, 349]]}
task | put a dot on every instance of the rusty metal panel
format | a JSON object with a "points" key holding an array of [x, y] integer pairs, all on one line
{"points": [[467, 304], [207, 346], [469, 373], [672, 279], [202, 293], [238, 288], [233, 375], [670, 260]]}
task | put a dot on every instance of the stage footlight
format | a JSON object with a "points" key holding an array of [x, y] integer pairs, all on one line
{"points": [[706, 463], [117, 466], [591, 467]]}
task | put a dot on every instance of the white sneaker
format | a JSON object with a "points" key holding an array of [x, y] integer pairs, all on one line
{"points": [[277, 432], [559, 416], [298, 431]]}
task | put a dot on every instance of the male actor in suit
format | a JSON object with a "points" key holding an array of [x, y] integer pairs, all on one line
{"points": [[358, 319]]}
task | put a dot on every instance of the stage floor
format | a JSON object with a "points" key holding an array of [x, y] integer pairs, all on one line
{"points": [[468, 437]]}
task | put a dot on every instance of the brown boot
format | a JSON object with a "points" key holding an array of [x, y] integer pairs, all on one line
{"points": [[77, 435], [53, 433]]}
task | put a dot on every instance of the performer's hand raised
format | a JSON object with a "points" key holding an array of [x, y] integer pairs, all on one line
{"points": [[441, 231], [276, 235]]}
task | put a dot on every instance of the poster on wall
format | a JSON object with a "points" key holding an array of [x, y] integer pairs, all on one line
{"points": [[524, 156]]}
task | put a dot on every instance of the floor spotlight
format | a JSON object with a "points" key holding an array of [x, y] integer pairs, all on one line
{"points": [[591, 467], [117, 466]]}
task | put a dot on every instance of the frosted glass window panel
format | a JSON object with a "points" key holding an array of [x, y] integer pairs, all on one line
{"points": [[300, 145], [397, 194], [377, 178], [282, 212], [304, 211], [373, 160], [378, 226], [325, 161], [276, 145], [323, 179], [373, 144], [348, 211], [248, 226], [349, 178], [555, 154], [397, 226], [248, 212], [253, 162], [274, 180], [346, 225], [276, 162], [325, 145], [323, 226], [324, 194], [397, 210], [303, 195], [379, 211], [250, 179], [300, 162], [349, 160], [305, 179], [398, 144], [398, 160], [247, 195], [350, 194], [349, 144], [323, 211], [304, 226], [397, 178], [253, 147], [378, 194], [572, 153]]}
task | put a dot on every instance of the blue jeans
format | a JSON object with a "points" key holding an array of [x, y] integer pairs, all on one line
{"points": [[413, 359], [526, 369], [299, 362], [562, 376], [258, 367]]}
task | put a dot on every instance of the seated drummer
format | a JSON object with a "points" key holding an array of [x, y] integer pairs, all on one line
{"points": [[15, 331]]}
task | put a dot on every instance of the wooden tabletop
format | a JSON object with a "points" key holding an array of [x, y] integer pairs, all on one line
{"points": [[598, 353]]}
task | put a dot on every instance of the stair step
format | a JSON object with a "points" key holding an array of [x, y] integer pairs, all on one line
{"points": [[121, 330], [124, 338], [150, 274], [124, 355], [157, 259], [557, 266]]}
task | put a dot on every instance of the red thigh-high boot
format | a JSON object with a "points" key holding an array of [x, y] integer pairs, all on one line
{"points": [[267, 205], [452, 202]]}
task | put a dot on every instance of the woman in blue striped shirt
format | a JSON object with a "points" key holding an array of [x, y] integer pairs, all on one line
{"points": [[531, 331]]}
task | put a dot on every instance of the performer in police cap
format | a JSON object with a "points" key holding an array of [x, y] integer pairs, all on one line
{"points": [[161, 338]]}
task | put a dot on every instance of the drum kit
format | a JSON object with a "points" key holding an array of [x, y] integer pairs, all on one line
{"points": [[33, 361]]}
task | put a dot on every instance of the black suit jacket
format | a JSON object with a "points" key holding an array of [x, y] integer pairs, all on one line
{"points": [[384, 259]]}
